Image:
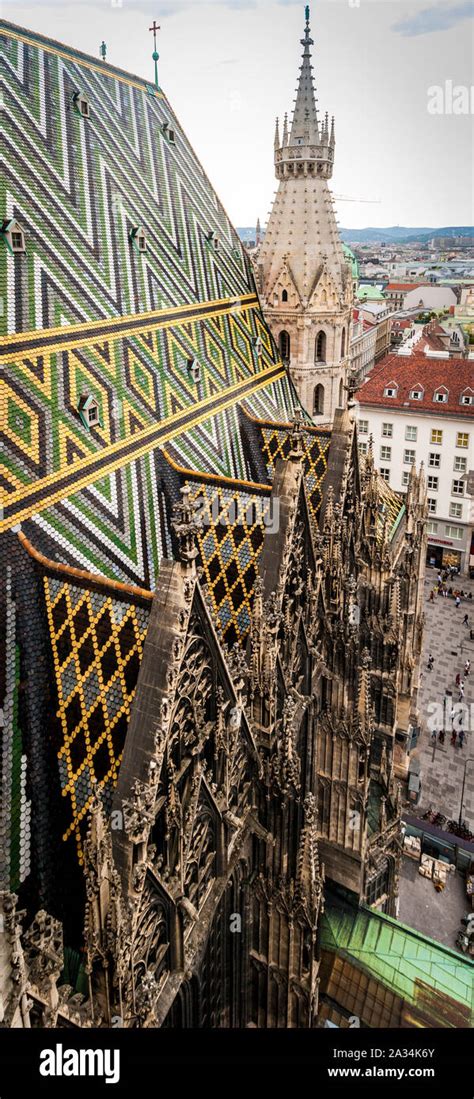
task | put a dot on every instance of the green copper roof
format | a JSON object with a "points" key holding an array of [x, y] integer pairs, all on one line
{"points": [[354, 262], [400, 957], [369, 293]]}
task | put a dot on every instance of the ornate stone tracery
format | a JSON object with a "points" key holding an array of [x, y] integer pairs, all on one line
{"points": [[252, 779]]}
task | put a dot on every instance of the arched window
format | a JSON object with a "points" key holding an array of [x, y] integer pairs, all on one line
{"points": [[343, 343], [284, 295], [320, 348], [341, 394], [318, 400], [284, 345]]}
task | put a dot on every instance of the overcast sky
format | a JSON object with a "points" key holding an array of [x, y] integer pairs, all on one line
{"points": [[230, 66]]}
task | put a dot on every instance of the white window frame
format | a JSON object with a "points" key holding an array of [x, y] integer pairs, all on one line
{"points": [[363, 427], [436, 442], [385, 474], [432, 462], [457, 487], [460, 463], [385, 454], [455, 509], [432, 505], [409, 461], [387, 431], [462, 435], [411, 438], [454, 532], [433, 487]]}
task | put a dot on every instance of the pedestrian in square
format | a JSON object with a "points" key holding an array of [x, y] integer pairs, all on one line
{"points": [[467, 667], [453, 738], [461, 737], [458, 679], [465, 620], [457, 601]]}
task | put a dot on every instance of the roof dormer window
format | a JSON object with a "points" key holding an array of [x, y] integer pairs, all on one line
{"points": [[138, 238], [89, 410], [417, 393], [13, 235], [81, 104], [212, 240], [194, 369], [440, 396], [391, 390], [467, 397], [168, 133]]}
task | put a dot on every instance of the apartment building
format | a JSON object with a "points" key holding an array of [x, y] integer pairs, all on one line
{"points": [[418, 406]]}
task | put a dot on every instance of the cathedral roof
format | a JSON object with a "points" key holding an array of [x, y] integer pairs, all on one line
{"points": [[137, 359], [163, 339]]}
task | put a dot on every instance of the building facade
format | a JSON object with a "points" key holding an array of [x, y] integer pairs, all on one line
{"points": [[395, 293], [363, 344], [303, 274], [380, 316], [419, 406]]}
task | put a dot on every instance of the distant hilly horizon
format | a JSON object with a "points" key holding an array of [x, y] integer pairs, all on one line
{"points": [[390, 234]]}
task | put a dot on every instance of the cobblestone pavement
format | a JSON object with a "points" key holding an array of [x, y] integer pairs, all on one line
{"points": [[448, 641]]}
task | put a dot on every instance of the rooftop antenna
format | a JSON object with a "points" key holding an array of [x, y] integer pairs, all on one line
{"points": [[103, 50], [155, 53]]}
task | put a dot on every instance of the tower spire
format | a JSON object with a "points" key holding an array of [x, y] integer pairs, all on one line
{"points": [[302, 247], [332, 139], [285, 130], [304, 126]]}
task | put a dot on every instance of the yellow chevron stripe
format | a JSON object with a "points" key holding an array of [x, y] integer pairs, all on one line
{"points": [[135, 319], [111, 463]]}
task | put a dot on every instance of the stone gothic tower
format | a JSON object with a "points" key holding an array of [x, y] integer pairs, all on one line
{"points": [[303, 275]]}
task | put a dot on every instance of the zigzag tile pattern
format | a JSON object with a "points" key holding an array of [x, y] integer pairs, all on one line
{"points": [[96, 179], [84, 312]]}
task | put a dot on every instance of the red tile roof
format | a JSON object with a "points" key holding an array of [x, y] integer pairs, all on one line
{"points": [[418, 369], [402, 285]]}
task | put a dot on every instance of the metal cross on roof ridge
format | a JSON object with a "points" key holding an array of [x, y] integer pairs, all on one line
{"points": [[155, 27]]}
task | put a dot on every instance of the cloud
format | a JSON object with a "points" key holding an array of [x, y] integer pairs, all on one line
{"points": [[440, 18], [145, 7]]}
